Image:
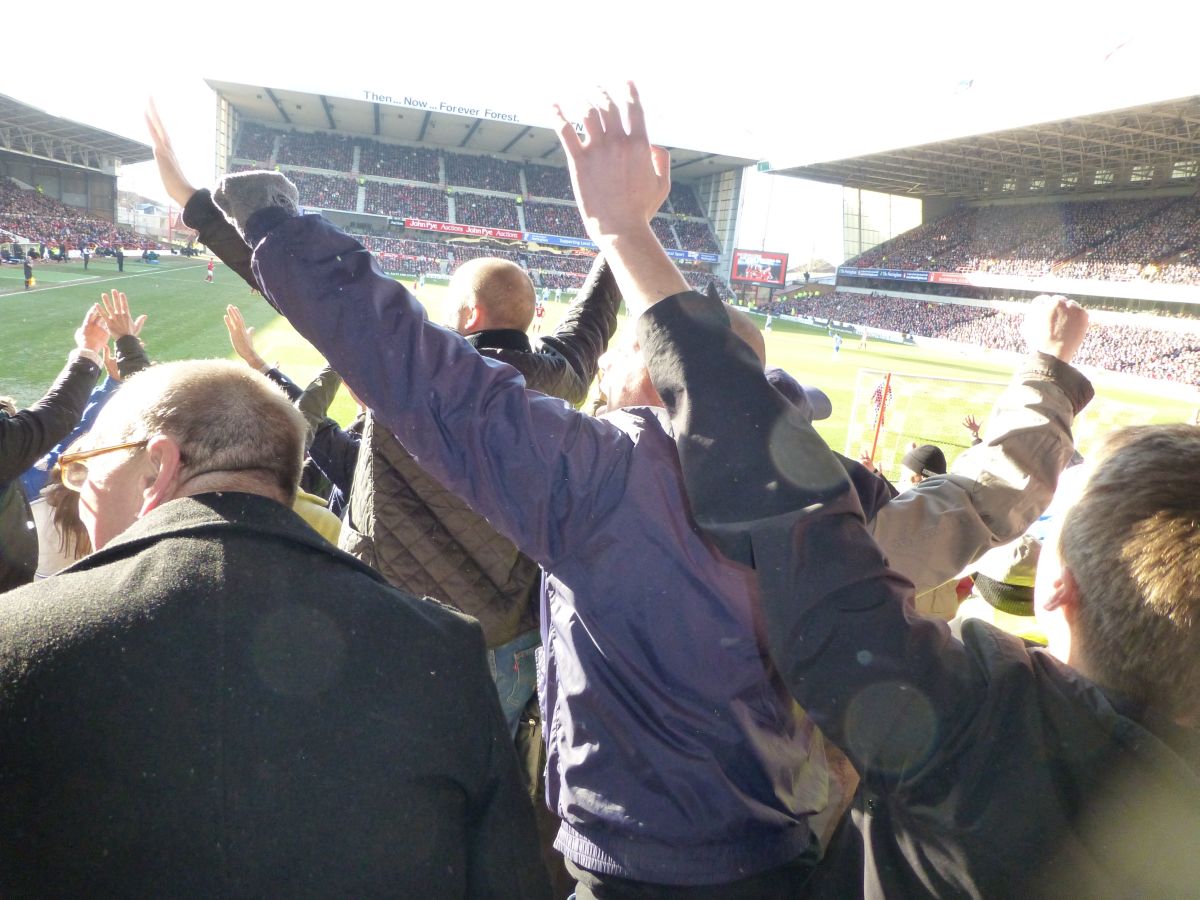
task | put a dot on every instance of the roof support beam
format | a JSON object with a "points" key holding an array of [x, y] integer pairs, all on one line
{"points": [[524, 131], [471, 132], [328, 112], [278, 106], [376, 106], [424, 126]]}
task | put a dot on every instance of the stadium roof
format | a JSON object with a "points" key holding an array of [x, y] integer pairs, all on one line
{"points": [[27, 129], [1153, 145], [464, 128]]}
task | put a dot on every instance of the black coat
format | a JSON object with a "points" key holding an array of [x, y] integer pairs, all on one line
{"points": [[24, 439], [218, 703]]}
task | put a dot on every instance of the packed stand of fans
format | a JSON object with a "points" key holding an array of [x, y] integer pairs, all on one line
{"points": [[662, 231], [558, 262], [485, 210], [395, 161], [404, 201], [484, 172], [548, 181], [39, 219], [256, 142], [696, 236], [1152, 353], [683, 201], [564, 281], [553, 218], [317, 150], [325, 191], [1116, 240]]}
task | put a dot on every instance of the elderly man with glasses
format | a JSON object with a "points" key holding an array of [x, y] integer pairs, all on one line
{"points": [[218, 702]]}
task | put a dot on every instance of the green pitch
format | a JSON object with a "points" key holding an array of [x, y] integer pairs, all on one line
{"points": [[185, 321]]}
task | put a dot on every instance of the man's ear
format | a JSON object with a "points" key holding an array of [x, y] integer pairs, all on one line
{"points": [[164, 457], [1064, 595], [474, 320]]}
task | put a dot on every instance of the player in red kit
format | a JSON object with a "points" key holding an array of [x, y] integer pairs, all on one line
{"points": [[208, 278]]}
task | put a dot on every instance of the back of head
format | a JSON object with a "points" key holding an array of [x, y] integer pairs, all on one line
{"points": [[1132, 543], [499, 291], [226, 418]]}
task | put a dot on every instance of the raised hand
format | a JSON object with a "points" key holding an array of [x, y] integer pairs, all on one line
{"points": [[971, 425], [117, 318], [178, 187], [242, 338], [620, 180], [867, 463], [1055, 326], [109, 358], [92, 334]]}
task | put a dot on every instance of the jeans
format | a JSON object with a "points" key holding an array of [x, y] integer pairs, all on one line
{"points": [[514, 669]]}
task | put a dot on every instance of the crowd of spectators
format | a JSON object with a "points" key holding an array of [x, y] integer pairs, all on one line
{"points": [[554, 218], [563, 281], [559, 262], [1149, 352], [484, 172], [683, 201], [396, 161], [256, 142], [1115, 240], [485, 210], [548, 181], [37, 219], [325, 191], [386, 198], [317, 150], [662, 231], [696, 236]]}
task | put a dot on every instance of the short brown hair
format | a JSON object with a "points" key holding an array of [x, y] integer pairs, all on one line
{"points": [[225, 417], [1132, 542]]}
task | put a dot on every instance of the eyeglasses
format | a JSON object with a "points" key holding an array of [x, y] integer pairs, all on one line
{"points": [[73, 470]]}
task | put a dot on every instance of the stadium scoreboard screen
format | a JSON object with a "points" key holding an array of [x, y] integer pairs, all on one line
{"points": [[759, 267]]}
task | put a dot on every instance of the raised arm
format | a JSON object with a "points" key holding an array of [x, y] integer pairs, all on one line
{"points": [[885, 685], [997, 489], [27, 436]]}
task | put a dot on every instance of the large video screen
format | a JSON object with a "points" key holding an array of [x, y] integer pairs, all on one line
{"points": [[759, 267]]}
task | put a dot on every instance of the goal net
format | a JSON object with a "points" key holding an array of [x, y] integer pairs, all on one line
{"points": [[894, 410]]}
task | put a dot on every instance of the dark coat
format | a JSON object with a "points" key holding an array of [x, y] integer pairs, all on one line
{"points": [[24, 439], [218, 703], [989, 769]]}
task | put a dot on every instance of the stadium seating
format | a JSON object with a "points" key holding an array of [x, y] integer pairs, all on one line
{"points": [[546, 181], [554, 218], [484, 172], [1149, 352], [485, 210], [39, 219], [394, 161], [696, 236], [325, 191], [317, 150], [1114, 240], [388, 199], [683, 201], [256, 142]]}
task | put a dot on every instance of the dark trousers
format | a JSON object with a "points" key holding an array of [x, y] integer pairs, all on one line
{"points": [[782, 883]]}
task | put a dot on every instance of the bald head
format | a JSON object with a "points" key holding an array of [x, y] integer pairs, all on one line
{"points": [[490, 293], [747, 329]]}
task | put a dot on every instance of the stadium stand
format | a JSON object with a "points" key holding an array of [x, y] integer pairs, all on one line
{"points": [[256, 142], [552, 218], [1114, 240], [484, 172], [35, 218], [389, 199], [683, 201], [325, 191], [546, 181], [662, 230], [394, 161], [1149, 352], [317, 150], [485, 210], [696, 236]]}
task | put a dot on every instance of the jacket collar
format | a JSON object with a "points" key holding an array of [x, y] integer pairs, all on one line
{"points": [[216, 511], [500, 339]]}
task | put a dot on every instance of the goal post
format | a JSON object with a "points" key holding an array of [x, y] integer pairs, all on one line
{"points": [[893, 410]]}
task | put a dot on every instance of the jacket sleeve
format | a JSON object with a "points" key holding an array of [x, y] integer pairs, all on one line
{"points": [[131, 356], [294, 391], [586, 329], [888, 687], [314, 402], [27, 436], [542, 473], [218, 235], [995, 490]]}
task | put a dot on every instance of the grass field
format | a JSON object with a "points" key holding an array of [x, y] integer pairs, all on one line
{"points": [[185, 321]]}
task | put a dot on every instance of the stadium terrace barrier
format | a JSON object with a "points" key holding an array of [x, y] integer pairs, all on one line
{"points": [[1049, 284]]}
